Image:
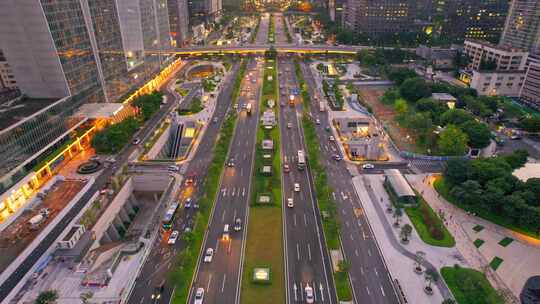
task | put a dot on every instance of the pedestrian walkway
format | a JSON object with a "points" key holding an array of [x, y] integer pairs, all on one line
{"points": [[401, 258], [521, 258]]}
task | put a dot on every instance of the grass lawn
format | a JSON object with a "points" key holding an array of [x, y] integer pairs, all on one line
{"points": [[495, 263], [478, 228], [429, 226], [264, 247], [343, 288], [444, 191], [506, 241], [478, 243], [470, 286]]}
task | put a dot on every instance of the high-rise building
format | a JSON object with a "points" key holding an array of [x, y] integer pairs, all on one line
{"points": [[379, 16], [457, 20], [204, 11], [530, 92], [522, 28], [7, 78], [67, 53], [178, 21]]}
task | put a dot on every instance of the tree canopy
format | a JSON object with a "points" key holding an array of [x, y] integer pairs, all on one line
{"points": [[452, 141]]}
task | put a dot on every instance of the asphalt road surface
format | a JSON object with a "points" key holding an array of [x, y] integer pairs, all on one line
{"points": [[262, 34], [154, 272], [220, 278], [370, 279], [307, 260]]}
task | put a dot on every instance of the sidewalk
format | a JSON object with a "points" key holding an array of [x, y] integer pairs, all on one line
{"points": [[521, 257], [401, 258]]}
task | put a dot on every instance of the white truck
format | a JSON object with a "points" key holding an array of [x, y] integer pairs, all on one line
{"points": [[322, 106]]}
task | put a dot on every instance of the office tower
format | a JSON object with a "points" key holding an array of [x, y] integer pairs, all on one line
{"points": [[374, 17], [67, 53], [203, 11], [178, 21], [522, 28], [7, 78], [530, 92], [470, 19]]}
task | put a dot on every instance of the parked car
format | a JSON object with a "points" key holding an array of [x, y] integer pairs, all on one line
{"points": [[173, 237]]}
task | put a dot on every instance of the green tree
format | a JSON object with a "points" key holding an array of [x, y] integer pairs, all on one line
{"points": [[517, 159], [413, 89], [400, 75], [455, 117], [401, 106], [390, 96], [457, 171], [344, 265], [47, 297], [533, 185], [478, 133], [405, 232], [452, 141], [478, 107], [531, 124]]}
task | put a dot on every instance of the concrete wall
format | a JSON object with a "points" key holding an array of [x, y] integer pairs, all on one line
{"points": [[159, 144], [114, 207]]}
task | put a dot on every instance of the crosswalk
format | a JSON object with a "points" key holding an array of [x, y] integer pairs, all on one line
{"points": [[313, 290], [240, 191], [428, 166]]}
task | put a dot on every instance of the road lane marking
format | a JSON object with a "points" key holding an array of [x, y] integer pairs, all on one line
{"points": [[347, 223], [209, 281], [305, 220], [223, 284], [294, 219], [356, 252], [352, 237], [363, 234], [376, 273], [297, 252], [142, 300], [223, 215], [369, 252], [367, 289], [314, 285], [362, 270], [309, 251], [233, 190], [322, 293], [382, 291], [244, 191], [217, 245]]}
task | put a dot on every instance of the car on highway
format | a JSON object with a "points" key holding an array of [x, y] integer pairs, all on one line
{"points": [[337, 157], [199, 296], [189, 181], [231, 162], [156, 294], [237, 224], [289, 125], [136, 141], [187, 203], [368, 166], [331, 138], [235, 106], [215, 120], [208, 255], [296, 187], [290, 202], [286, 168], [173, 168], [318, 121], [310, 297], [173, 237], [327, 128]]}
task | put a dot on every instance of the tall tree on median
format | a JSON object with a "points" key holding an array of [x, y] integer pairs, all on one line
{"points": [[452, 141], [413, 89]]}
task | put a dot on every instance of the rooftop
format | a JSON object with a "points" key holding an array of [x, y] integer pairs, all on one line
{"points": [[443, 96], [507, 48], [399, 183]]}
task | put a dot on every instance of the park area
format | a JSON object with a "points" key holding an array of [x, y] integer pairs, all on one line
{"points": [[470, 286]]}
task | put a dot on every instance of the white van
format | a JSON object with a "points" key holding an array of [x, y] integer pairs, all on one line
{"points": [[225, 235]]}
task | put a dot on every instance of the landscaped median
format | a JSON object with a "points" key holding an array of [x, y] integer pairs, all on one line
{"points": [[271, 30], [327, 206], [184, 263], [264, 244], [286, 29]]}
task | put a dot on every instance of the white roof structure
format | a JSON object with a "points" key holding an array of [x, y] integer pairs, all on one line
{"points": [[399, 183], [443, 97], [100, 110], [530, 170]]}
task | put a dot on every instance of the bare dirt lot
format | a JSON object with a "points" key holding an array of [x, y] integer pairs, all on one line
{"points": [[386, 114], [18, 235]]}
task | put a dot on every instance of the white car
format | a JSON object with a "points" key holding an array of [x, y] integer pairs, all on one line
{"points": [[289, 125], [199, 296], [331, 138], [310, 298], [318, 121], [208, 255], [290, 202], [296, 187], [173, 237], [368, 166]]}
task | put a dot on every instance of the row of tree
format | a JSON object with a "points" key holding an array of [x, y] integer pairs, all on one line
{"points": [[487, 186]]}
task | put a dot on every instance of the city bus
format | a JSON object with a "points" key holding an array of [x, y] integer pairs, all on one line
{"points": [[168, 219], [301, 160]]}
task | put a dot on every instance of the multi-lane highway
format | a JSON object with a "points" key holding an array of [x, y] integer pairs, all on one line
{"points": [[220, 278], [369, 276], [158, 264], [306, 257]]}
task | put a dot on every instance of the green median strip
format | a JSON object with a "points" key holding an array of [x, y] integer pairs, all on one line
{"points": [[184, 263], [327, 205], [264, 244], [271, 30]]}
